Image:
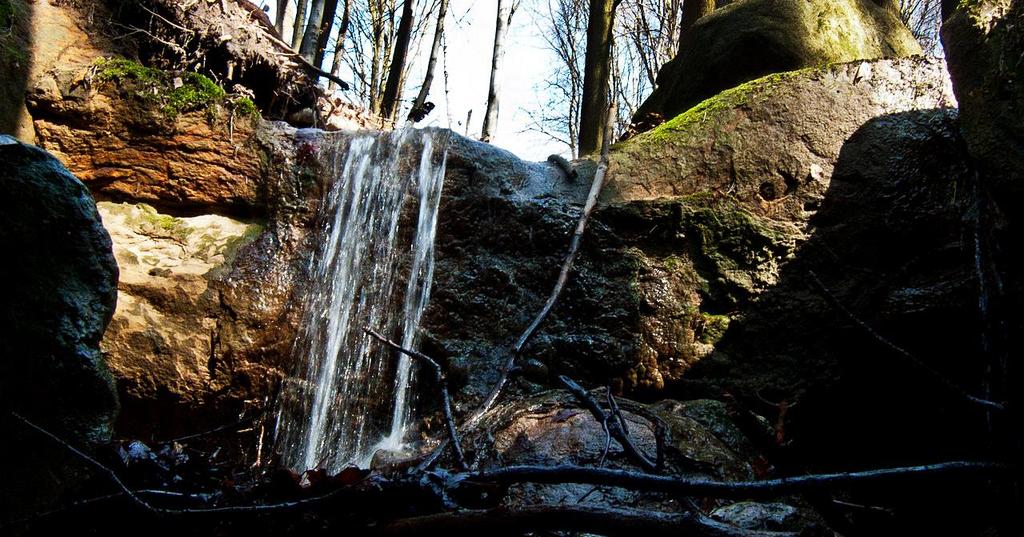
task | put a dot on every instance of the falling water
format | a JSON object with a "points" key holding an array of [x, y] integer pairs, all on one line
{"points": [[351, 396]]}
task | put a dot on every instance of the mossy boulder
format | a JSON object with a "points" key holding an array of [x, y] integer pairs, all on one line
{"points": [[983, 42], [752, 38]]}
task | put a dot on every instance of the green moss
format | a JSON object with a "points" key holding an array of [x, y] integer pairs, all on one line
{"points": [[710, 109], [245, 107], [160, 225], [711, 328], [156, 88], [121, 69], [13, 36], [196, 93]]}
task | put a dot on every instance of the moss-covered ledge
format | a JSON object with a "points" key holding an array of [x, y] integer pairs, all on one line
{"points": [[172, 93]]}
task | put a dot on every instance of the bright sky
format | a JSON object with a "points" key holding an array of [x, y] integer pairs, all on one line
{"points": [[469, 30]]}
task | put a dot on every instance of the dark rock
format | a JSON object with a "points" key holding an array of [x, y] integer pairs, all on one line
{"points": [[552, 428], [983, 42], [61, 290], [771, 517], [750, 39]]}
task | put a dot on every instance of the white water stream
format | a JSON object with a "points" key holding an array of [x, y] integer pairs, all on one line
{"points": [[352, 396]]}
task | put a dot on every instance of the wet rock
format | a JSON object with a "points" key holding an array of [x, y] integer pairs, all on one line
{"points": [[750, 39], [551, 428], [142, 149], [979, 39], [771, 517], [61, 291]]}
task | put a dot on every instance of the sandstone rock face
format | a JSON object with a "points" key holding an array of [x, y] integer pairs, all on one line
{"points": [[125, 148], [60, 296], [749, 39], [977, 39], [165, 343]]}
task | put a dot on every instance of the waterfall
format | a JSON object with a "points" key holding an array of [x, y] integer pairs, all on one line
{"points": [[350, 395]]}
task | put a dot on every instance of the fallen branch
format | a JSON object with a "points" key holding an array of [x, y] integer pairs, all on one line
{"points": [[574, 518], [720, 489], [614, 424], [903, 353], [563, 276], [442, 382]]}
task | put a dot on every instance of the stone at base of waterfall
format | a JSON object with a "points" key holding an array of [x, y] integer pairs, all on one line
{"points": [[551, 429], [772, 517]]}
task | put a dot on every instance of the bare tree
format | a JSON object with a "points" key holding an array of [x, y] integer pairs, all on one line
{"points": [[419, 108], [564, 32], [393, 86], [924, 18], [693, 11], [339, 42], [504, 19], [300, 18], [307, 47], [330, 14], [596, 73]]}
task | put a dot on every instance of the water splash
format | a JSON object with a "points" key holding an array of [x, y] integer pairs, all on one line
{"points": [[351, 396]]}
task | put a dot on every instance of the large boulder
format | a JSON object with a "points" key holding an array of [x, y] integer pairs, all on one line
{"points": [[696, 221], [982, 40], [61, 290], [752, 38]]}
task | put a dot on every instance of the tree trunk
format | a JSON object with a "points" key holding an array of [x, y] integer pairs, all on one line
{"points": [[279, 15], [300, 17], [693, 10], [326, 25], [418, 111], [339, 46], [307, 49], [393, 88], [491, 113], [596, 69]]}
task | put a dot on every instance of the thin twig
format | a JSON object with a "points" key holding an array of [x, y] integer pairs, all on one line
{"points": [[442, 382], [600, 520], [722, 489], [614, 424], [92, 462], [133, 495], [903, 353]]}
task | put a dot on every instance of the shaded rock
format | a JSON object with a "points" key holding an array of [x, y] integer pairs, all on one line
{"points": [[61, 291], [551, 428], [749, 39], [983, 41], [696, 221], [771, 517]]}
